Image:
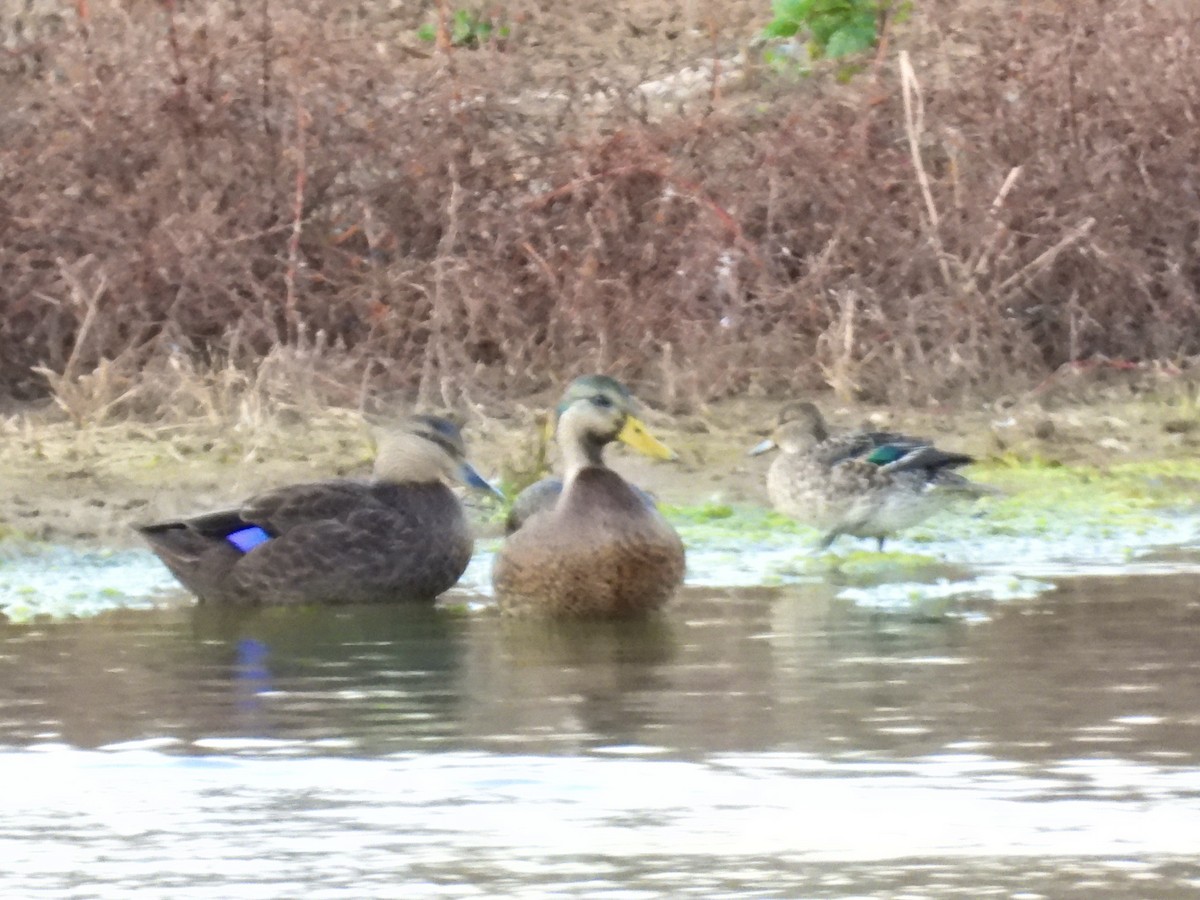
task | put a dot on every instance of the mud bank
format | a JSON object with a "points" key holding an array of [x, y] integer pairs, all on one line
{"points": [[1119, 461]]}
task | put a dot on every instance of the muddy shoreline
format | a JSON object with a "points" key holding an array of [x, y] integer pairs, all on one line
{"points": [[88, 486]]}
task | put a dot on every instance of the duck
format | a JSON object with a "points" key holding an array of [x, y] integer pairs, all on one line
{"points": [[400, 536], [867, 484], [594, 546], [544, 493]]}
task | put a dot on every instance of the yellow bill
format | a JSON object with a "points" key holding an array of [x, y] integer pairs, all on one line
{"points": [[636, 436]]}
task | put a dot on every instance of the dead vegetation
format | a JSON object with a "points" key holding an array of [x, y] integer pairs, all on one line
{"points": [[208, 204]]}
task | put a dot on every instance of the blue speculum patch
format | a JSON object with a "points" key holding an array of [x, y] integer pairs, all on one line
{"points": [[246, 539]]}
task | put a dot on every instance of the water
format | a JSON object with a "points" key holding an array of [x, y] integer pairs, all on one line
{"points": [[762, 742]]}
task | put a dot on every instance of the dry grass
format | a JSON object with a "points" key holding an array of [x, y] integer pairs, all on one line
{"points": [[208, 206]]}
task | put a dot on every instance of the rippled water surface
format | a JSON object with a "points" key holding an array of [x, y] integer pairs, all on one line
{"points": [[761, 742]]}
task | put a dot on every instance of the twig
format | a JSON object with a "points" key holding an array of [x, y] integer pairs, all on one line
{"points": [[92, 306], [914, 124], [65, 385], [1043, 260], [883, 28], [435, 350], [714, 87], [839, 339], [266, 33], [443, 41], [981, 263], [1009, 181], [540, 260], [289, 276]]}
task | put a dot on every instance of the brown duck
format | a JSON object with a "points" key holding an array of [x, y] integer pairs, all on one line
{"points": [[400, 536], [594, 548]]}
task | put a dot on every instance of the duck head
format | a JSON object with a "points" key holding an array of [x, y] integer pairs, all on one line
{"points": [[595, 411], [798, 428], [426, 449]]}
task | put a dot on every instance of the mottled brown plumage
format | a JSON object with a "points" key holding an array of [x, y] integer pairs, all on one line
{"points": [[401, 536], [599, 551], [861, 483]]}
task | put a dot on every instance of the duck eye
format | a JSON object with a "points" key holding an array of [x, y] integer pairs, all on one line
{"points": [[603, 401]]}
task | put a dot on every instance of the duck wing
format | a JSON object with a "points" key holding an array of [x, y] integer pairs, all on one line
{"points": [[858, 444], [202, 549], [893, 458], [286, 508], [356, 542], [538, 496], [890, 451]]}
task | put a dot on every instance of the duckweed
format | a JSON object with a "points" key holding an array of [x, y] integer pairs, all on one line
{"points": [[708, 512]]}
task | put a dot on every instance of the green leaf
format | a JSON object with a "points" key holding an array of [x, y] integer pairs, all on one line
{"points": [[834, 28], [792, 10], [461, 30], [427, 33], [781, 29], [850, 39]]}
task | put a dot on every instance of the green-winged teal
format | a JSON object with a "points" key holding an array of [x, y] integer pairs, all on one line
{"points": [[862, 483], [592, 546], [400, 536]]}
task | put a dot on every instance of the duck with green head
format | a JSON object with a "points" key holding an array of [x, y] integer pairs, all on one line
{"points": [[400, 536], [592, 546], [862, 483]]}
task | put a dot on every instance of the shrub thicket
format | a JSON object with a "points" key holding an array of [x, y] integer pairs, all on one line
{"points": [[213, 182]]}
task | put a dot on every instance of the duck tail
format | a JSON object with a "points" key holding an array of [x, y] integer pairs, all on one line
{"points": [[198, 559], [959, 486]]}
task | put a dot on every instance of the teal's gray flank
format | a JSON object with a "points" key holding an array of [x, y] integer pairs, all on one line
{"points": [[862, 483]]}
